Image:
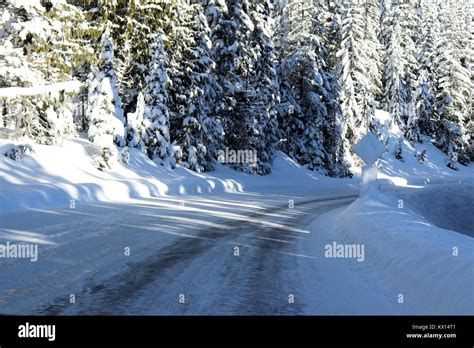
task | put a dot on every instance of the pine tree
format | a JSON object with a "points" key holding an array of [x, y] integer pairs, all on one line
{"points": [[469, 63], [157, 123], [299, 76], [424, 121], [135, 130], [239, 58], [385, 6], [310, 117], [105, 70], [421, 156], [128, 39], [194, 91], [105, 128], [453, 86], [33, 53], [398, 153], [229, 45], [400, 62], [373, 51], [359, 55], [263, 125], [136, 23]]}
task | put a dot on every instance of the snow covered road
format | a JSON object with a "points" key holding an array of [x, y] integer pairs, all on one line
{"points": [[229, 254], [233, 254]]}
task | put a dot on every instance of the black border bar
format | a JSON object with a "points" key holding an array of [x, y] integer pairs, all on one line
{"points": [[139, 330]]}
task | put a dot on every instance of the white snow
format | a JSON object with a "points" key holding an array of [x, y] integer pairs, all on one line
{"points": [[404, 255], [410, 171], [54, 89], [53, 175], [383, 117], [369, 148], [416, 244], [26, 4]]}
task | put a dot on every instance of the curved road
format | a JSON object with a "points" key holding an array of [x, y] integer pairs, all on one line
{"points": [[229, 255]]}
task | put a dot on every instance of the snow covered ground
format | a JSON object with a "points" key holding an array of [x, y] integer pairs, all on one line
{"points": [[174, 249], [143, 239], [410, 171], [53, 175], [408, 265], [183, 228]]}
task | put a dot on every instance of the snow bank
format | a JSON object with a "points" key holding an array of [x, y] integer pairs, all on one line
{"points": [[447, 206], [410, 171], [55, 175], [415, 258]]}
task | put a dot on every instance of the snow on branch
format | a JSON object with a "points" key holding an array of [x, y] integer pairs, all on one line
{"points": [[55, 88]]}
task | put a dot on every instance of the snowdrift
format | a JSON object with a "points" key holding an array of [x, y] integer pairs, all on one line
{"points": [[55, 175], [410, 171], [431, 267]]}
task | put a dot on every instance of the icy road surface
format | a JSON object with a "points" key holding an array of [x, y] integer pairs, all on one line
{"points": [[234, 254], [447, 206]]}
